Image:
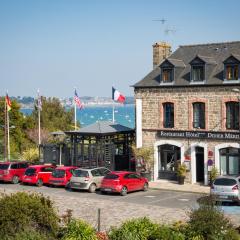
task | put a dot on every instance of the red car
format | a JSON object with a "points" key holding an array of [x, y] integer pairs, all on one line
{"points": [[123, 182], [38, 174], [61, 176], [12, 171]]}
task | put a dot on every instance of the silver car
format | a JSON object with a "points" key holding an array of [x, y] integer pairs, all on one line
{"points": [[226, 189], [88, 179]]}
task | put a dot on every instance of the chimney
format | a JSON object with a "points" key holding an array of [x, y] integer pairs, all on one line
{"points": [[161, 50]]}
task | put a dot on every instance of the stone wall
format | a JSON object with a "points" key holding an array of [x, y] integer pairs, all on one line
{"points": [[214, 98]]}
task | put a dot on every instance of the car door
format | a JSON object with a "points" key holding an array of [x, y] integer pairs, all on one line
{"points": [[129, 182], [46, 173], [139, 182], [97, 177], [22, 168]]}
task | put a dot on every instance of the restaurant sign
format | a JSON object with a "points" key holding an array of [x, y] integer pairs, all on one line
{"points": [[199, 135]]}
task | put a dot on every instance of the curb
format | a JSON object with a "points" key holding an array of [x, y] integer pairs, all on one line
{"points": [[177, 190]]}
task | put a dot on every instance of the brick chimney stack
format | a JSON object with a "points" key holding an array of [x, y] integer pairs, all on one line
{"points": [[161, 50]]}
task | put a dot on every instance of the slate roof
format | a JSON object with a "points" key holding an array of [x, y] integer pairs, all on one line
{"points": [[102, 128], [213, 54]]}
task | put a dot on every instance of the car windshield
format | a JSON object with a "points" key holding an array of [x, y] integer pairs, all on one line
{"points": [[111, 176], [30, 172], [80, 173], [58, 173], [225, 182], [4, 166]]}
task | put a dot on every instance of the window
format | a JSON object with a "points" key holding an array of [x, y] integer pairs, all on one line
{"points": [[197, 73], [199, 115], [229, 161], [168, 115], [167, 75], [14, 166], [231, 72], [232, 115]]}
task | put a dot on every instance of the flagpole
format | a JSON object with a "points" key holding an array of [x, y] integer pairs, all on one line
{"points": [[75, 117], [39, 119], [113, 115], [5, 132], [8, 140], [39, 126]]}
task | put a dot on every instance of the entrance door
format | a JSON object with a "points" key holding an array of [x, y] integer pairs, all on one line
{"points": [[168, 155], [199, 164]]}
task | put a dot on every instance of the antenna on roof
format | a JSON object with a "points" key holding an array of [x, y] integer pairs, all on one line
{"points": [[160, 20]]}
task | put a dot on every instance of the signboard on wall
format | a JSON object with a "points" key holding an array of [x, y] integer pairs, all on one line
{"points": [[199, 135]]}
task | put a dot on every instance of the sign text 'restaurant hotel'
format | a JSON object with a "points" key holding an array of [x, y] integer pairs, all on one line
{"points": [[197, 134]]}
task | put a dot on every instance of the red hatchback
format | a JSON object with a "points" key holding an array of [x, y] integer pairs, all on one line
{"points": [[12, 171], [38, 174], [123, 182], [61, 176]]}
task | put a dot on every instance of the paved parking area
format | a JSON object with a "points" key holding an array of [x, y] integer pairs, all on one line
{"points": [[159, 205]]}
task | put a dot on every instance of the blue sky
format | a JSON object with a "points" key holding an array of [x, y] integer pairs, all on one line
{"points": [[56, 45]]}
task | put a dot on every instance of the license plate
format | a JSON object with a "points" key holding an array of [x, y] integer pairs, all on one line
{"points": [[107, 189], [27, 179], [223, 196]]}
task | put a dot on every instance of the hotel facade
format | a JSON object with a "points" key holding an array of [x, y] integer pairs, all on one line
{"points": [[187, 109]]}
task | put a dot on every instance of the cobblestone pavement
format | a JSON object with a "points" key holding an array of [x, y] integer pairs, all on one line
{"points": [[113, 212]]}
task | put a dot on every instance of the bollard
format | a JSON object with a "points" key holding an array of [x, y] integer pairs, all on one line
{"points": [[99, 220]]}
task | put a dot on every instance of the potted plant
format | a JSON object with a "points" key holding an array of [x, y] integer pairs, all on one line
{"points": [[144, 161], [213, 175], [181, 173]]}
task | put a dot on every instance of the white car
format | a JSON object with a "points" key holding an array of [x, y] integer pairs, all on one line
{"points": [[226, 189]]}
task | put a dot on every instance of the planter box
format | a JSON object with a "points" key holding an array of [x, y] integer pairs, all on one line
{"points": [[147, 175]]}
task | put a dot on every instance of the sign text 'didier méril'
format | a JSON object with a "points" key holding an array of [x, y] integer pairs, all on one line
{"points": [[197, 134]]}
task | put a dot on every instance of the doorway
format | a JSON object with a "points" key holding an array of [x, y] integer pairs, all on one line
{"points": [[199, 164]]}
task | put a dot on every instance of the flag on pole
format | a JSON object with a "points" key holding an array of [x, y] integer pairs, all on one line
{"points": [[117, 96], [39, 101], [77, 100], [8, 103]]}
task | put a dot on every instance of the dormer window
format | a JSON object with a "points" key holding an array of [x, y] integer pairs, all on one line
{"points": [[232, 72], [197, 70], [167, 72], [167, 75], [231, 67], [197, 73]]}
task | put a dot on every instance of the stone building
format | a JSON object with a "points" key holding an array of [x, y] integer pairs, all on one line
{"points": [[187, 109]]}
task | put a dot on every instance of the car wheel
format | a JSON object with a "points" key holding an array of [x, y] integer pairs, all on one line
{"points": [[145, 187], [39, 183], [124, 191], [68, 186], [15, 180], [92, 188]]}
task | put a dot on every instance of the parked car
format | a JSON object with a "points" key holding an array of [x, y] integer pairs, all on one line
{"points": [[123, 182], [226, 189], [38, 174], [61, 176], [88, 179], [12, 171]]}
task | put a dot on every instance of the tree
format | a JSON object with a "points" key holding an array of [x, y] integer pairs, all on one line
{"points": [[54, 117], [18, 123]]}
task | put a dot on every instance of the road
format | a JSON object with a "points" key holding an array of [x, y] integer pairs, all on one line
{"points": [[160, 205]]}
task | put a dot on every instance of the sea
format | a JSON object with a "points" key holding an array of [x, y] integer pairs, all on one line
{"points": [[123, 114]]}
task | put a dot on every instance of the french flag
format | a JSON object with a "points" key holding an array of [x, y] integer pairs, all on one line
{"points": [[117, 96]]}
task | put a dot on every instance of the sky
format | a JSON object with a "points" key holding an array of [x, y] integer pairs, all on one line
{"points": [[92, 45]]}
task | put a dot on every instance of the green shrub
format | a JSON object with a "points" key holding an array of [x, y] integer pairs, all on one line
{"points": [[21, 213], [79, 230], [208, 222], [165, 232]]}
